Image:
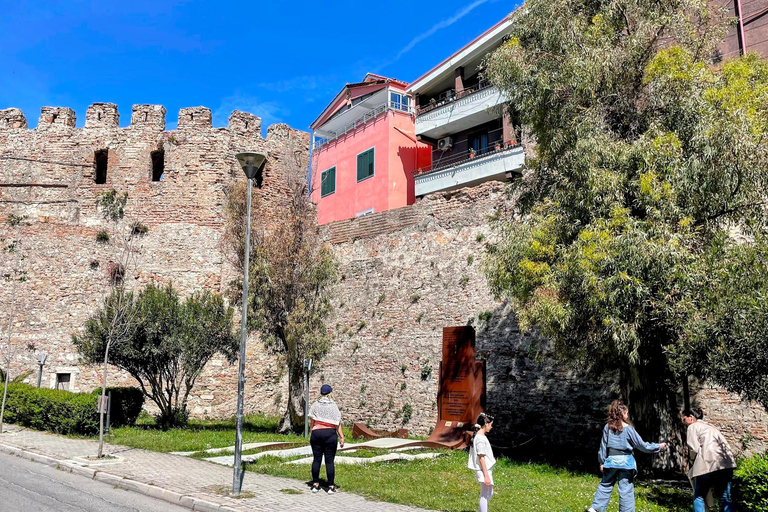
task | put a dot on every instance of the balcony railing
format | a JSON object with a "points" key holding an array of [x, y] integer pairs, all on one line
{"points": [[465, 156], [360, 121], [449, 96]]}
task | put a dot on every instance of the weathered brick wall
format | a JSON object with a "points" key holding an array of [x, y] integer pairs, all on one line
{"points": [[408, 273], [47, 175]]}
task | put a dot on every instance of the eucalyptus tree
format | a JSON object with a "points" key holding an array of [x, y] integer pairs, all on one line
{"points": [[650, 157]]}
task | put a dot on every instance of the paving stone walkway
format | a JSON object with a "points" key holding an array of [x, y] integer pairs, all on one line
{"points": [[197, 479]]}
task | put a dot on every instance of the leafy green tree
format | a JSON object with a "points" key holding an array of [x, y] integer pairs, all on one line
{"points": [[165, 342], [648, 157], [726, 342]]}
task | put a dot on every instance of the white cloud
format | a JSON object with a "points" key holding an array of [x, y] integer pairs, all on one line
{"points": [[442, 24]]}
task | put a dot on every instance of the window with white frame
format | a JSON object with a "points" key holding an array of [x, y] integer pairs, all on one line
{"points": [[399, 101]]}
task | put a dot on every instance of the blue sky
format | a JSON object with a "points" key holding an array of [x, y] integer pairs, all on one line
{"points": [[283, 61]]}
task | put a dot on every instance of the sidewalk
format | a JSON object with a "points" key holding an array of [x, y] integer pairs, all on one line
{"points": [[192, 483]]}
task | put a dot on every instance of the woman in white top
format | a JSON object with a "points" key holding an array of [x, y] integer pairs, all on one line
{"points": [[326, 434], [481, 459]]}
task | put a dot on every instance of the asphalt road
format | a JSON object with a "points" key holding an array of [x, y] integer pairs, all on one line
{"points": [[33, 487]]}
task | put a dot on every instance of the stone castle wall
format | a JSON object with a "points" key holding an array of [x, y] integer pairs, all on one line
{"points": [[408, 273], [48, 176], [405, 274]]}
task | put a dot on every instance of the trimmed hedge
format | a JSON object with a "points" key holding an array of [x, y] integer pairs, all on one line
{"points": [[751, 484], [53, 410], [126, 405]]}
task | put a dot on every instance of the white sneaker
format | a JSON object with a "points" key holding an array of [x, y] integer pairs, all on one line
{"points": [[331, 490], [315, 488]]}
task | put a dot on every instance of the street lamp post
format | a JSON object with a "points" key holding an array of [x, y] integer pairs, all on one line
{"points": [[253, 166], [307, 368], [41, 361]]}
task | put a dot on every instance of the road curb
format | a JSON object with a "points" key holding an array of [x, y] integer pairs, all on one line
{"points": [[127, 484]]}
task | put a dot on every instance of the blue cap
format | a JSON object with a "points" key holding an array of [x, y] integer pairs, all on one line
{"points": [[326, 389]]}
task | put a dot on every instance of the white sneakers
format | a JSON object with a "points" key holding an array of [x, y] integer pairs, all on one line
{"points": [[330, 490]]}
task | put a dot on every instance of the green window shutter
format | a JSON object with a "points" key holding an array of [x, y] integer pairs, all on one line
{"points": [[365, 167], [370, 163], [328, 182], [360, 166]]}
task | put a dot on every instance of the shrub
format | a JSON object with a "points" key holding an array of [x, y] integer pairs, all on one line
{"points": [[54, 410], [15, 220], [102, 236], [137, 228], [751, 484], [172, 418], [406, 412], [126, 405]]}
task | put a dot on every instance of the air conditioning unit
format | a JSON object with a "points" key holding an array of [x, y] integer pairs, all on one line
{"points": [[445, 143]]}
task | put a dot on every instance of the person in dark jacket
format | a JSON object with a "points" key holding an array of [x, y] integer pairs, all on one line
{"points": [[616, 460]]}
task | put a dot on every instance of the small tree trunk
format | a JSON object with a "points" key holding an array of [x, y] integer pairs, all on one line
{"points": [[653, 408], [5, 394], [102, 403], [293, 419], [8, 363]]}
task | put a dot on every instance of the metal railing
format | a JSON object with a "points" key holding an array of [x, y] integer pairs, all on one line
{"points": [[462, 157], [449, 96], [362, 120]]}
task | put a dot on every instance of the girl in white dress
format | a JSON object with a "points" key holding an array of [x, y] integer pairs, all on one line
{"points": [[481, 459]]}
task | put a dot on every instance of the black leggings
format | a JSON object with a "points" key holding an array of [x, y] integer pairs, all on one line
{"points": [[323, 442]]}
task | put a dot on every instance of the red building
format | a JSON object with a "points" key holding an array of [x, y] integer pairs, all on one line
{"points": [[364, 151]]}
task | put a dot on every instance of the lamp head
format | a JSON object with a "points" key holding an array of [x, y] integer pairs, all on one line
{"points": [[41, 358], [253, 166]]}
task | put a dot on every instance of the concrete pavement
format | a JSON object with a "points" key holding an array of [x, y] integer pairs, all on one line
{"points": [[191, 483]]}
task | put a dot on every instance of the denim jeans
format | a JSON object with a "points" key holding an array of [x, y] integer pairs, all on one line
{"points": [[625, 478], [720, 483]]}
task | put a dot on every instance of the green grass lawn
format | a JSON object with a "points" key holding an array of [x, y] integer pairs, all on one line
{"points": [[199, 434], [444, 483]]}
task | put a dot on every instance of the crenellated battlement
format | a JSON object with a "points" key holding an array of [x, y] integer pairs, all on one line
{"points": [[12, 118], [143, 116], [150, 116], [56, 117], [55, 170], [102, 115]]}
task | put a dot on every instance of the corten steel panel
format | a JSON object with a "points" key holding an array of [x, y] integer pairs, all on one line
{"points": [[461, 394]]}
